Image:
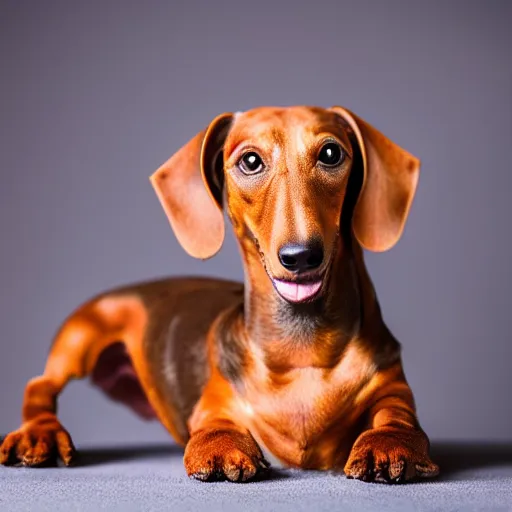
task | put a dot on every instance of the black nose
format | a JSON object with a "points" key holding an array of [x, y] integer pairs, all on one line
{"points": [[301, 257]]}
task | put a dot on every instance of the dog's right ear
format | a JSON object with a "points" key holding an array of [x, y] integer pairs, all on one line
{"points": [[189, 187]]}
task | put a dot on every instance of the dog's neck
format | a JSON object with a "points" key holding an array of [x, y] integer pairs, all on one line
{"points": [[299, 335]]}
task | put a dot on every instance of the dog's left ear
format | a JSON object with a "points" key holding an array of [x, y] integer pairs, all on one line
{"points": [[189, 187], [389, 184]]}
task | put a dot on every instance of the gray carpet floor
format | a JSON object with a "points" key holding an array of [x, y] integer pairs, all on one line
{"points": [[474, 477]]}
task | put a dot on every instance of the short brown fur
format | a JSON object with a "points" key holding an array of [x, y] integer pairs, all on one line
{"points": [[237, 372]]}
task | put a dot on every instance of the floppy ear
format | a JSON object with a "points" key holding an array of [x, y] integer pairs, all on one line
{"points": [[189, 187], [389, 184]]}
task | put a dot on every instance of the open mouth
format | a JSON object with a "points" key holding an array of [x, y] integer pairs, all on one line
{"points": [[298, 291], [305, 288]]}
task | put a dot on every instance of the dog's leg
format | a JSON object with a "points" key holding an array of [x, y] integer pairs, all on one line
{"points": [[394, 449], [41, 437], [220, 447]]}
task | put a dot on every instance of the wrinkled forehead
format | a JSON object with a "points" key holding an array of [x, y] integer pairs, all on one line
{"points": [[269, 126]]}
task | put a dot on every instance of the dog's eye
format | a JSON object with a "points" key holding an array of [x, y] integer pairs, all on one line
{"points": [[331, 155], [251, 163]]}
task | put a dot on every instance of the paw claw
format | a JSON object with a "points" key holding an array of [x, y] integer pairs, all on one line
{"points": [[381, 476], [264, 463], [233, 473], [200, 475], [248, 473], [427, 471], [65, 447], [396, 469], [358, 470]]}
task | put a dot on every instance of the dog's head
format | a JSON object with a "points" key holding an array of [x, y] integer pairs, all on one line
{"points": [[298, 183]]}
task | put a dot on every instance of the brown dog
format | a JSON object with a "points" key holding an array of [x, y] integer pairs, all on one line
{"points": [[297, 364]]}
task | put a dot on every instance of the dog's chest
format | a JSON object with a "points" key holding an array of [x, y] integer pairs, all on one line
{"points": [[293, 416]]}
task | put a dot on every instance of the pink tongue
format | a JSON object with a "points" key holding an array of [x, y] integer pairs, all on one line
{"points": [[296, 292]]}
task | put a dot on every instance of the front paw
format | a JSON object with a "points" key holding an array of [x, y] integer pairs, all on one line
{"points": [[38, 442], [215, 454], [390, 455]]}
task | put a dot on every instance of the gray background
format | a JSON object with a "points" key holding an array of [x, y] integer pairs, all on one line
{"points": [[96, 95]]}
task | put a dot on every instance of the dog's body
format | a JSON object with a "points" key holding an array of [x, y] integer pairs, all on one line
{"points": [[296, 364]]}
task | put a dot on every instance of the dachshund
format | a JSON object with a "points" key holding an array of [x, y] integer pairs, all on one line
{"points": [[295, 367]]}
